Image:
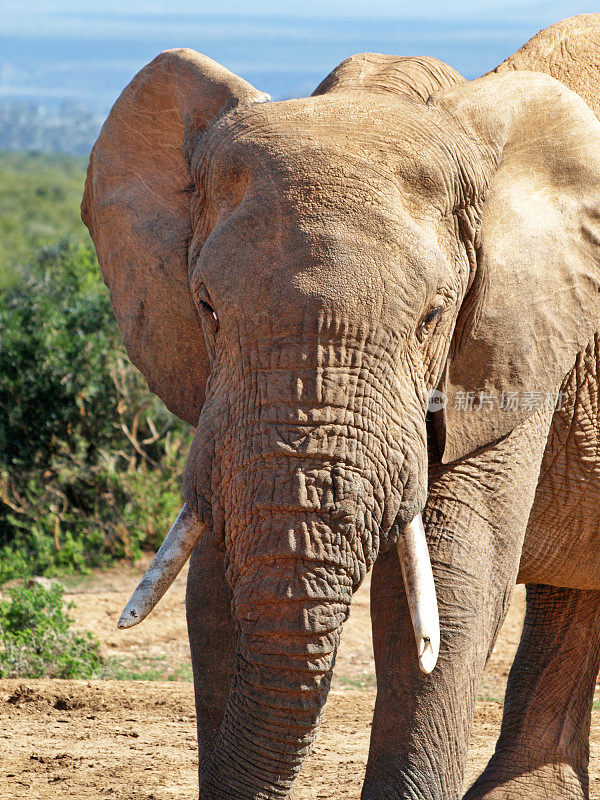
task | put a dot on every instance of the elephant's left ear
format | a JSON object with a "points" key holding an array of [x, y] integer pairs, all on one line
{"points": [[535, 300]]}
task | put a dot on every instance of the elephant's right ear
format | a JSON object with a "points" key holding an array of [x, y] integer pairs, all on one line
{"points": [[137, 208]]}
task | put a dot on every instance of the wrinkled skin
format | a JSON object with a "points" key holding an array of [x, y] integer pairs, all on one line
{"points": [[293, 278]]}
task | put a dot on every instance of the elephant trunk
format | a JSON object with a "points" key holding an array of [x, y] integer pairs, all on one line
{"points": [[289, 618], [302, 489], [299, 540]]}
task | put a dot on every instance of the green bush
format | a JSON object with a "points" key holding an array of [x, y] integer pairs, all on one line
{"points": [[39, 204], [36, 640], [90, 462]]}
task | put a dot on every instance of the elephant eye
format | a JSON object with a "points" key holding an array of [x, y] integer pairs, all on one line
{"points": [[204, 305], [209, 319], [429, 322]]}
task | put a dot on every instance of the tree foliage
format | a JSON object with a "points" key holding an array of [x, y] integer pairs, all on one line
{"points": [[90, 462]]}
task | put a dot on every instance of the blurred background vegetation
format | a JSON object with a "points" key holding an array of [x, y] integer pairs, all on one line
{"points": [[90, 461], [39, 206]]}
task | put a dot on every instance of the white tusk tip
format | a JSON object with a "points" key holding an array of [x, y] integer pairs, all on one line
{"points": [[427, 656], [420, 592], [128, 618]]}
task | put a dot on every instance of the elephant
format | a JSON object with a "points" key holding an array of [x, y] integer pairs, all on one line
{"points": [[378, 306]]}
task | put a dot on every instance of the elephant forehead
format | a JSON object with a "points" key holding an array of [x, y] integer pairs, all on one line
{"points": [[332, 150], [282, 263], [301, 205]]}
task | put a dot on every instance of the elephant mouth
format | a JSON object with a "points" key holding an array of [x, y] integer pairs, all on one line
{"points": [[412, 553]]}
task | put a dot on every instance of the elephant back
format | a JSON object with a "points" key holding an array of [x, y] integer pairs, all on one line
{"points": [[568, 51]]}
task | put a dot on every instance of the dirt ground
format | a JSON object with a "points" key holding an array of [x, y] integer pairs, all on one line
{"points": [[135, 740]]}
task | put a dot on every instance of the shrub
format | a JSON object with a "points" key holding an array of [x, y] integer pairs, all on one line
{"points": [[39, 204], [90, 462], [36, 640]]}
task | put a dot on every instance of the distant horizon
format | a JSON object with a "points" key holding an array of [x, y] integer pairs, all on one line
{"points": [[58, 51]]}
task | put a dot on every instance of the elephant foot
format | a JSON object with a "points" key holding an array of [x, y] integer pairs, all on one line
{"points": [[543, 749], [405, 784], [384, 792], [545, 782]]}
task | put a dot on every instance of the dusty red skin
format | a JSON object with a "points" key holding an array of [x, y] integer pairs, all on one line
{"points": [[398, 231]]}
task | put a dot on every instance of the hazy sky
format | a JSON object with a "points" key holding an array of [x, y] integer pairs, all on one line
{"points": [[87, 51], [46, 16]]}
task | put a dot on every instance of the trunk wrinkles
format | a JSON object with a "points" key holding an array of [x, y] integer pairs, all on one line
{"points": [[308, 471], [297, 549]]}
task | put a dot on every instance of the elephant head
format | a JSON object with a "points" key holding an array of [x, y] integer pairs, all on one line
{"points": [[294, 279]]}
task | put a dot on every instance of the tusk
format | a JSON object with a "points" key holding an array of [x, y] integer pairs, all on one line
{"points": [[420, 592], [165, 567]]}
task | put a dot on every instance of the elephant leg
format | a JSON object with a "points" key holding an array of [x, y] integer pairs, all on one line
{"points": [[543, 749], [421, 724], [213, 637], [476, 516]]}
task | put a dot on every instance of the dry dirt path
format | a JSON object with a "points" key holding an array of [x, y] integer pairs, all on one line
{"points": [[135, 740]]}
